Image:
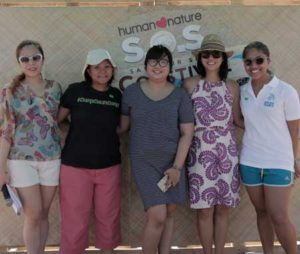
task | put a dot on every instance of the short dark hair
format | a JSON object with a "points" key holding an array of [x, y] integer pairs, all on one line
{"points": [[258, 46], [158, 52], [89, 80], [223, 71]]}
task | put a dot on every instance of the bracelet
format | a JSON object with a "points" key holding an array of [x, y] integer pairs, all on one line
{"points": [[297, 162], [176, 167]]}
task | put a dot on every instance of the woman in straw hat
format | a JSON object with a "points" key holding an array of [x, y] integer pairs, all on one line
{"points": [[271, 111], [213, 156], [161, 129], [29, 142], [90, 173]]}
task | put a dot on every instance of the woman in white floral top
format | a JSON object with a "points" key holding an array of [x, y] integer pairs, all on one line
{"points": [[29, 142]]}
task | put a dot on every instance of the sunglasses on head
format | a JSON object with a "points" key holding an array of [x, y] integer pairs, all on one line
{"points": [[258, 60], [213, 53], [35, 58], [160, 62]]}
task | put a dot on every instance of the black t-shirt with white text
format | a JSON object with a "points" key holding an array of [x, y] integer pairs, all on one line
{"points": [[92, 141]]}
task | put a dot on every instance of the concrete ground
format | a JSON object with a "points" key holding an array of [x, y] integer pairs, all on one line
{"points": [[126, 250]]}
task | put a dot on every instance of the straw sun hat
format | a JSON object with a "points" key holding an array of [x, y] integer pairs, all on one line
{"points": [[211, 42]]}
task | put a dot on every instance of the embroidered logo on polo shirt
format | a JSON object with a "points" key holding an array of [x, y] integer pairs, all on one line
{"points": [[111, 96], [269, 102], [246, 98]]}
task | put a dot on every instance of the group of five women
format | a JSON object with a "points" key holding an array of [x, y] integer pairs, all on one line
{"points": [[171, 130]]}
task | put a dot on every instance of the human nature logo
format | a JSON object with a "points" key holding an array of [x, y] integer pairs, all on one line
{"points": [[163, 22]]}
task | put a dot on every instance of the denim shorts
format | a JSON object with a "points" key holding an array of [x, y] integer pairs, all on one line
{"points": [[252, 176]]}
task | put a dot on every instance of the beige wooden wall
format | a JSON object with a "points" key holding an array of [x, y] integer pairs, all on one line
{"points": [[114, 3], [67, 33]]}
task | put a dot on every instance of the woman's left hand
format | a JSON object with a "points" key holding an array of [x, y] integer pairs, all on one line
{"points": [[297, 171], [173, 176]]}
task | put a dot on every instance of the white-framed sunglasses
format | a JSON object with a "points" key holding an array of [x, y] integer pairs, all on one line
{"points": [[35, 58]]}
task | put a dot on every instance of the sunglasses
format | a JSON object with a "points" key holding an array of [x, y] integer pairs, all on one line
{"points": [[213, 53], [258, 60], [160, 62], [35, 58]]}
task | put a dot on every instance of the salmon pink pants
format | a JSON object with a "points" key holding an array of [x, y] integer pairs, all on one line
{"points": [[81, 192]]}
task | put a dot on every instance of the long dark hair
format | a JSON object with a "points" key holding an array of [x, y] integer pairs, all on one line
{"points": [[158, 52], [223, 71], [19, 78]]}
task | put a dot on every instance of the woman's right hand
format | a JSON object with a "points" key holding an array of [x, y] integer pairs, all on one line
{"points": [[4, 151], [3, 178]]}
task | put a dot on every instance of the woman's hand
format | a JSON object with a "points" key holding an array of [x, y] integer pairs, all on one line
{"points": [[297, 171], [124, 124], [173, 176], [4, 150], [3, 177]]}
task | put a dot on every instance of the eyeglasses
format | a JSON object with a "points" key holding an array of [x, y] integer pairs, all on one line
{"points": [[258, 60], [35, 58], [160, 62], [213, 53]]}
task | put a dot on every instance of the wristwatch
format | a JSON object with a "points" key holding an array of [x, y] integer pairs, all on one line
{"points": [[176, 167]]}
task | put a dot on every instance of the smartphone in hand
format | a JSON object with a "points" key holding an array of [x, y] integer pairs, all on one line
{"points": [[6, 195], [162, 184]]}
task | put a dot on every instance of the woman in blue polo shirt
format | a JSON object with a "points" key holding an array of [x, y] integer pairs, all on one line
{"points": [[271, 111]]}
